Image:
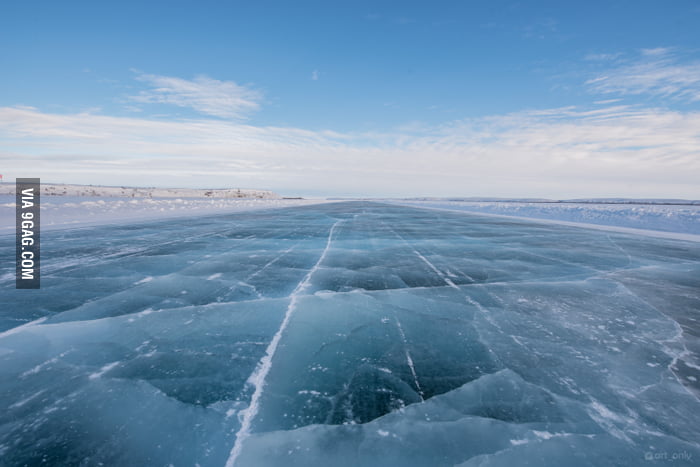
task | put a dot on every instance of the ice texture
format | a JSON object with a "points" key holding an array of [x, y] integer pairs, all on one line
{"points": [[348, 334]]}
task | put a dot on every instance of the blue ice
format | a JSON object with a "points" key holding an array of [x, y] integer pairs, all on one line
{"points": [[352, 333]]}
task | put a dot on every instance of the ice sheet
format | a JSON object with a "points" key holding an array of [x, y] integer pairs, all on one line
{"points": [[352, 334]]}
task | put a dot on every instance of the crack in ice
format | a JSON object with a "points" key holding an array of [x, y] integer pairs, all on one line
{"points": [[245, 283], [629, 257], [409, 360], [425, 260], [257, 378]]}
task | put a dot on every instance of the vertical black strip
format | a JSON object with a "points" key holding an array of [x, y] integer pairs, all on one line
{"points": [[28, 217]]}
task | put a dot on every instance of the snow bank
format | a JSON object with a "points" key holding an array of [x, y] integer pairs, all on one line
{"points": [[684, 219], [71, 211]]}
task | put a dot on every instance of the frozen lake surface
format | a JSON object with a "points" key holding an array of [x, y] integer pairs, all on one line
{"points": [[351, 334]]}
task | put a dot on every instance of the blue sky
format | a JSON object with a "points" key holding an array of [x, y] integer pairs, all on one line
{"points": [[553, 99]]}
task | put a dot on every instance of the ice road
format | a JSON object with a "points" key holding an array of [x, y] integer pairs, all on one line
{"points": [[351, 334]]}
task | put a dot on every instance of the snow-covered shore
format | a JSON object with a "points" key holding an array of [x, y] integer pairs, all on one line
{"points": [[97, 191], [649, 216], [72, 211]]}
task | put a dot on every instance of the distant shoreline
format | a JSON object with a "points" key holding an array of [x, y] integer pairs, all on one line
{"points": [[100, 191], [643, 201]]}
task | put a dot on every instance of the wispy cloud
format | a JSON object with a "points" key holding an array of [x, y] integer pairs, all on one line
{"points": [[607, 101], [655, 72], [314, 75], [610, 151], [656, 51], [205, 95], [603, 57]]}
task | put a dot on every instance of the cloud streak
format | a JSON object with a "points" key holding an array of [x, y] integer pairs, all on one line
{"points": [[205, 95], [656, 72]]}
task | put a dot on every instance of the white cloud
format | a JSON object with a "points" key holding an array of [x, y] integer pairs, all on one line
{"points": [[657, 72], [656, 52], [564, 152], [314, 75], [208, 96], [607, 101]]}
